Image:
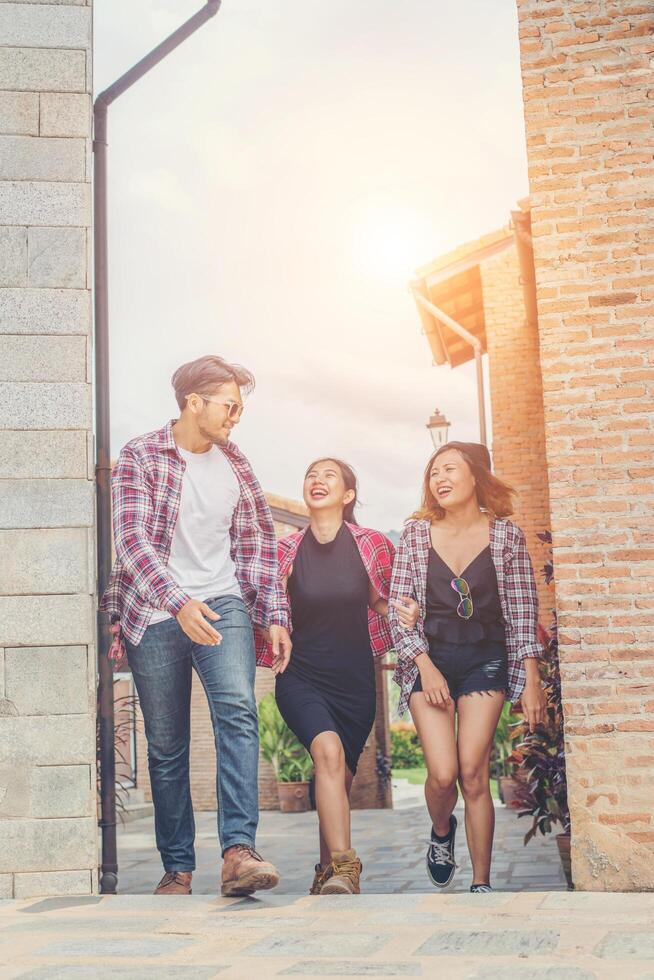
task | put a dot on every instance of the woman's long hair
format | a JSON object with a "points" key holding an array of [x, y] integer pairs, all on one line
{"points": [[493, 494], [350, 481]]}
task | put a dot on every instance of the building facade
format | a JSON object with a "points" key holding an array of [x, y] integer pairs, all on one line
{"points": [[587, 84], [48, 822]]}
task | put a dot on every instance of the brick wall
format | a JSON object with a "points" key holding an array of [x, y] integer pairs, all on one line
{"points": [[518, 440], [47, 669], [587, 81]]}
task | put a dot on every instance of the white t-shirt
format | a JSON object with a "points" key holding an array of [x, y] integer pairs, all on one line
{"points": [[200, 560]]}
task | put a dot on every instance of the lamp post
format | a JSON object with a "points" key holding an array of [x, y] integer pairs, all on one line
{"points": [[437, 427]]}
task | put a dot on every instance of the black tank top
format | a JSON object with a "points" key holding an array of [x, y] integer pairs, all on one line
{"points": [[442, 621]]}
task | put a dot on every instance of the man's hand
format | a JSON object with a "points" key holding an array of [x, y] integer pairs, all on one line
{"points": [[281, 646], [191, 618]]}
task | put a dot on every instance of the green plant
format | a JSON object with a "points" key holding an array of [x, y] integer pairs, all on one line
{"points": [[503, 744], [280, 747], [406, 751], [542, 792]]}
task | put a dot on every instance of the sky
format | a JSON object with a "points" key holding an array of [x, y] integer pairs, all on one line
{"points": [[273, 185]]}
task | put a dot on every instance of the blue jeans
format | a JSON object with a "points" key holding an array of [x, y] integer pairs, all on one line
{"points": [[162, 666]]}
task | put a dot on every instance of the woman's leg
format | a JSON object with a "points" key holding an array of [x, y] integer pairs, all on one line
{"points": [[478, 717], [435, 727], [325, 852], [331, 796]]}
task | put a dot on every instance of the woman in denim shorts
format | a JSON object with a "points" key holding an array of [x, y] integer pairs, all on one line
{"points": [[474, 645]]}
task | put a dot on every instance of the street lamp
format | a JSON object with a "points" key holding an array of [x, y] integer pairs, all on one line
{"points": [[438, 426]]}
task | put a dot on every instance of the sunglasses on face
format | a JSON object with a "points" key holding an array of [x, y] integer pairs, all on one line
{"points": [[234, 409], [465, 607]]}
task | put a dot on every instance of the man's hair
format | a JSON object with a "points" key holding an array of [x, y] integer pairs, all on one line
{"points": [[206, 375]]}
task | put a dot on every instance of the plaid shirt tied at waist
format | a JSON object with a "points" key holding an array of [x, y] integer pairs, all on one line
{"points": [[376, 553], [517, 591], [146, 489]]}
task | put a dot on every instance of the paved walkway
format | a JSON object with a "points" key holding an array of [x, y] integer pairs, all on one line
{"points": [[391, 843], [533, 935]]}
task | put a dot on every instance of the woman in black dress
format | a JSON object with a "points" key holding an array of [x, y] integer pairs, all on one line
{"points": [[337, 577]]}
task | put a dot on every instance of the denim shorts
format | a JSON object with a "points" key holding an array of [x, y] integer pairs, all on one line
{"points": [[469, 668]]}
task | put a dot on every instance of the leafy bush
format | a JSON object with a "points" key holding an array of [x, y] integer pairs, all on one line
{"points": [[540, 756], [406, 751], [280, 747], [503, 744]]}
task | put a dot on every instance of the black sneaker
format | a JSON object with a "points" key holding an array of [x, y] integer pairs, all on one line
{"points": [[440, 857], [480, 889]]}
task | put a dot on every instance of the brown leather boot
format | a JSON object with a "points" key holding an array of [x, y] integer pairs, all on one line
{"points": [[345, 874], [245, 871], [175, 883], [320, 877]]}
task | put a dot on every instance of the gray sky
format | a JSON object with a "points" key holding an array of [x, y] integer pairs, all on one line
{"points": [[273, 185]]}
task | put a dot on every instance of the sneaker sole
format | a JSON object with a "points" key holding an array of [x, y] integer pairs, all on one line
{"points": [[254, 882], [444, 884]]}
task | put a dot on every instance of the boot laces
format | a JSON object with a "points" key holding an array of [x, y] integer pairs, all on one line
{"points": [[171, 877], [347, 869], [249, 850]]}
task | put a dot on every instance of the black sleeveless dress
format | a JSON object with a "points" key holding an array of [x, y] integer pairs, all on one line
{"points": [[329, 684]]}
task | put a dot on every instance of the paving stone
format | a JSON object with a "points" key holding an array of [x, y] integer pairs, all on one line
{"points": [[320, 944], [345, 968], [626, 945], [124, 948], [58, 904], [558, 971], [504, 942], [131, 972], [84, 924]]}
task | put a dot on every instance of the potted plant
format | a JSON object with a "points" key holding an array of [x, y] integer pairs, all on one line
{"points": [[542, 791], [291, 762], [501, 766]]}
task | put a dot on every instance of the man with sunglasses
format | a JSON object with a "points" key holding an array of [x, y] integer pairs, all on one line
{"points": [[195, 570]]}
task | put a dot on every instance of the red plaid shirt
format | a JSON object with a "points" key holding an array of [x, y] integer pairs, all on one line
{"points": [[517, 591], [146, 488], [377, 554]]}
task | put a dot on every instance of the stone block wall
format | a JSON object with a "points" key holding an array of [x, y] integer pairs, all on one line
{"points": [[47, 581], [518, 440], [588, 87]]}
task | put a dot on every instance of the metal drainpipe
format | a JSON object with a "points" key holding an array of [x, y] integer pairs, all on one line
{"points": [[525, 249], [475, 343], [107, 759]]}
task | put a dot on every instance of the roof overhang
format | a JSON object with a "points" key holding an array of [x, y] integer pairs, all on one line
{"points": [[452, 285]]}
